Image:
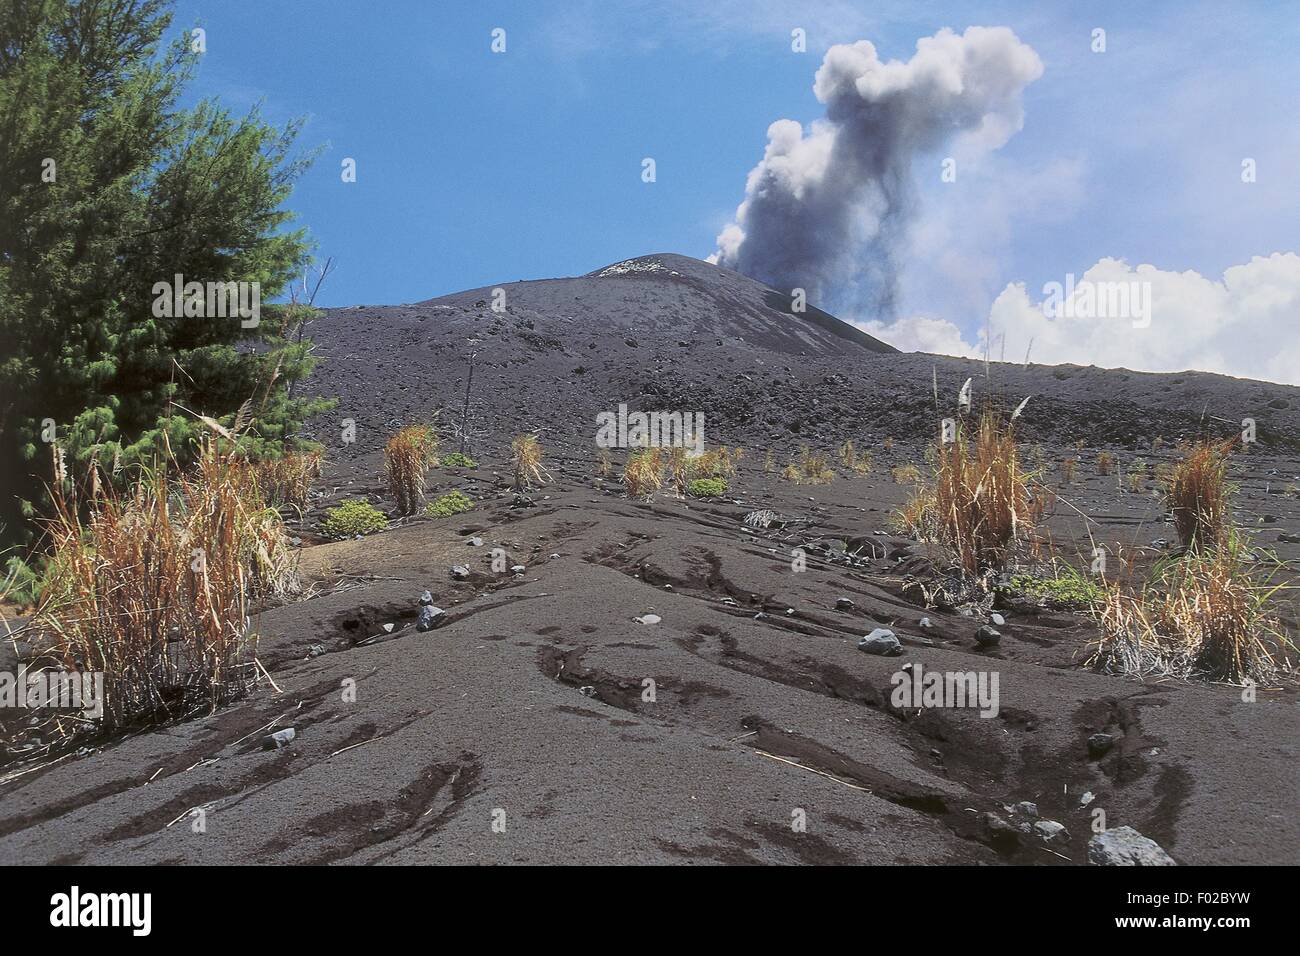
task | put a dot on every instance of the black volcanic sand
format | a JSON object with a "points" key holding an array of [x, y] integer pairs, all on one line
{"points": [[531, 699]]}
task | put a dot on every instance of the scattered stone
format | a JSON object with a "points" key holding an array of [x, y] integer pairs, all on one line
{"points": [[668, 587], [760, 616], [316, 650], [926, 623], [430, 617], [789, 612], [1124, 846], [1052, 832], [1160, 544], [1286, 537], [1000, 831], [997, 619], [987, 636], [1026, 809], [518, 569], [475, 542], [966, 612], [1099, 745], [1086, 799], [1269, 519], [426, 598], [844, 604], [278, 739], [881, 641], [648, 619], [587, 691], [460, 572]]}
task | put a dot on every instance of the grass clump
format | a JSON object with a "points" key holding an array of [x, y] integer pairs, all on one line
{"points": [[407, 457], [643, 472], [153, 588], [452, 503], [287, 480], [354, 517], [707, 487], [905, 474], [1198, 494], [1105, 463], [858, 462], [1069, 468], [810, 468], [458, 460], [526, 452], [979, 495], [1205, 615]]}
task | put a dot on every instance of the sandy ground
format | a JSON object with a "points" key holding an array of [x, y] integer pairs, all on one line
{"points": [[523, 729]]}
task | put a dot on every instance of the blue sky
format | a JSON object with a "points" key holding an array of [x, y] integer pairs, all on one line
{"points": [[476, 168]]}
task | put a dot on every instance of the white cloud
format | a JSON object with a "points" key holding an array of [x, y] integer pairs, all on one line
{"points": [[1244, 324]]}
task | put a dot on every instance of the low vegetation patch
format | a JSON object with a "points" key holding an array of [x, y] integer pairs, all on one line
{"points": [[643, 472], [707, 488], [458, 460], [452, 503], [1063, 587], [354, 517]]}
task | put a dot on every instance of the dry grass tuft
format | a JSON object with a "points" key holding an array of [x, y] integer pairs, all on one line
{"points": [[1198, 495], [527, 455], [153, 588], [858, 462], [979, 496], [810, 468], [1206, 615], [1069, 468], [287, 480], [407, 456], [1105, 463], [643, 473]]}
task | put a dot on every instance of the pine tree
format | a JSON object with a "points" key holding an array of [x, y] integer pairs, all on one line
{"points": [[109, 187]]}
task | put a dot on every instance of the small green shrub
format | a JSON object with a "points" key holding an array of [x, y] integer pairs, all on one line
{"points": [[452, 503], [458, 460], [707, 487], [1066, 587], [353, 517]]}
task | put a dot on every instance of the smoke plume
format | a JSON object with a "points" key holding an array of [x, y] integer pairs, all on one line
{"points": [[827, 210]]}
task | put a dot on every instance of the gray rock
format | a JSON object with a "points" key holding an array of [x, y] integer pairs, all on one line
{"points": [[926, 623], [460, 572], [1000, 831], [1026, 809], [475, 542], [1286, 537], [648, 619], [881, 641], [278, 739], [426, 599], [1124, 846], [1052, 832], [987, 636], [316, 650], [1099, 745], [430, 617], [997, 619], [844, 604]]}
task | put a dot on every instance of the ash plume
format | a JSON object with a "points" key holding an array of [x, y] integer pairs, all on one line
{"points": [[826, 210]]}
